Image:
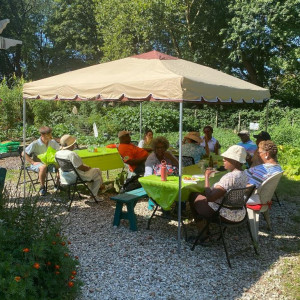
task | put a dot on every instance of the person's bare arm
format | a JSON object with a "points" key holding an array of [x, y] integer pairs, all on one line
{"points": [[212, 194], [84, 168], [173, 159], [29, 159]]}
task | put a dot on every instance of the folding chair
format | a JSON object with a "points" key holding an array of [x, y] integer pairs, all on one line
{"points": [[235, 199], [265, 193], [187, 161], [67, 166], [32, 175]]}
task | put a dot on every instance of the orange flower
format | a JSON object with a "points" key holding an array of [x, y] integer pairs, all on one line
{"points": [[26, 250], [66, 254], [36, 265], [72, 277], [17, 278], [57, 267], [57, 234], [76, 257], [48, 263], [53, 243], [57, 272], [74, 273], [69, 243], [63, 243], [70, 284]]}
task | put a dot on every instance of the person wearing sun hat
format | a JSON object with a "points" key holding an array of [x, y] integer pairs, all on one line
{"points": [[205, 205], [87, 173], [191, 146]]}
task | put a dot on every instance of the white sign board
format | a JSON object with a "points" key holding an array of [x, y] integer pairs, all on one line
{"points": [[254, 126]]}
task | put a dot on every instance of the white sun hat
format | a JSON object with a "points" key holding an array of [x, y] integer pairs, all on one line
{"points": [[237, 153]]}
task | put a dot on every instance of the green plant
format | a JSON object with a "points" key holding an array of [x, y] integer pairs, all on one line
{"points": [[35, 260]]}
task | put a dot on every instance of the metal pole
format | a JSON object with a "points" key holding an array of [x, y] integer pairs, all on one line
{"points": [[24, 144], [180, 175], [267, 117], [141, 120]]}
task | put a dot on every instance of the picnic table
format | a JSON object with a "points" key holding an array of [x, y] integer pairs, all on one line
{"points": [[105, 158], [165, 193]]}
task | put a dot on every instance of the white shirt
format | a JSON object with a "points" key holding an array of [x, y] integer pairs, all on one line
{"points": [[211, 143], [38, 147]]}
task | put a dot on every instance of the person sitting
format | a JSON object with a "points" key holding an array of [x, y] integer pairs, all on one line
{"points": [[36, 148], [160, 147], [262, 136], [205, 205], [209, 142], [132, 155], [191, 147], [249, 146], [267, 152], [146, 142], [86, 173]]}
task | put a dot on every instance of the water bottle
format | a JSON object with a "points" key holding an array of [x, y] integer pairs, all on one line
{"points": [[163, 170]]}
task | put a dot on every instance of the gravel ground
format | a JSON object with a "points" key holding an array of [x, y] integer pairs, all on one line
{"points": [[117, 263]]}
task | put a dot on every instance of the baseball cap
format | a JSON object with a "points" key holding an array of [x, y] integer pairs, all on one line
{"points": [[243, 132], [122, 133], [263, 136]]}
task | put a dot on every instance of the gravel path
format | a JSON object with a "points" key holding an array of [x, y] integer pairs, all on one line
{"points": [[119, 264]]}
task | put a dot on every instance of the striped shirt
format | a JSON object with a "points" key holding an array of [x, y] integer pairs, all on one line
{"points": [[258, 174]]}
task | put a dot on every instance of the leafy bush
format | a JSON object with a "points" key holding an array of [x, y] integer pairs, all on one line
{"points": [[35, 262]]}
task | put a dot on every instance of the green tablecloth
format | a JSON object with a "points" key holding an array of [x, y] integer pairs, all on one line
{"points": [[165, 193], [104, 159]]}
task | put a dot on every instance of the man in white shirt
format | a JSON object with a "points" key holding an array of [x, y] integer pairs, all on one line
{"points": [[86, 173], [36, 148]]}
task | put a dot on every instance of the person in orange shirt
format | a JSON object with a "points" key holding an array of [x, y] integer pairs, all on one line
{"points": [[132, 155]]}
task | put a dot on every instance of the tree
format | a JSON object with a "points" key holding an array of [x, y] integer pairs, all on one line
{"points": [[27, 19], [258, 32]]}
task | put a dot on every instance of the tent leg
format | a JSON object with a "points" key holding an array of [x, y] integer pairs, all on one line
{"points": [[141, 123], [180, 175], [24, 144]]}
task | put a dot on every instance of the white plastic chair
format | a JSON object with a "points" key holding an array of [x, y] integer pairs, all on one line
{"points": [[265, 193]]}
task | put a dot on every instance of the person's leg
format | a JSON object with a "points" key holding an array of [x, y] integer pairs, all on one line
{"points": [[200, 210], [42, 174], [96, 176]]}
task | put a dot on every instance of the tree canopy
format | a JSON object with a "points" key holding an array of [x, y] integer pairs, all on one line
{"points": [[257, 41]]}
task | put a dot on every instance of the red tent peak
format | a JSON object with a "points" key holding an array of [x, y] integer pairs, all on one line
{"points": [[154, 55]]}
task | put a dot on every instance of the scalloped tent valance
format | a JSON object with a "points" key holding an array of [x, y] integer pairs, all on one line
{"points": [[151, 76]]}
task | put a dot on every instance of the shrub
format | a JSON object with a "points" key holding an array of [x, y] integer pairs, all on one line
{"points": [[35, 262]]}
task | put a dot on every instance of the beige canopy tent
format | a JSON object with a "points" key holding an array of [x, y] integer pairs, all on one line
{"points": [[151, 76], [148, 76]]}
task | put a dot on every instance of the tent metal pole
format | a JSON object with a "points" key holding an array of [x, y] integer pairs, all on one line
{"points": [[141, 111], [267, 116], [24, 144], [180, 175]]}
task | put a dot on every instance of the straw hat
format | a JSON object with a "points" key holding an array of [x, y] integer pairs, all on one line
{"points": [[122, 133], [193, 136], [67, 141], [237, 153]]}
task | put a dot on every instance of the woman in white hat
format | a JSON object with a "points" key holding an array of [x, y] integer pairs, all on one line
{"points": [[204, 205], [87, 173], [191, 146]]}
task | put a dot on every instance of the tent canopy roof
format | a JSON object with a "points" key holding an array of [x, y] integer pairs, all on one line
{"points": [[148, 76]]}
